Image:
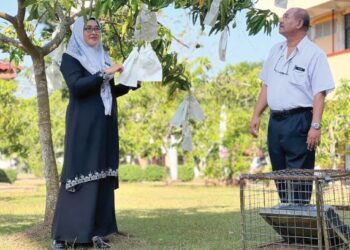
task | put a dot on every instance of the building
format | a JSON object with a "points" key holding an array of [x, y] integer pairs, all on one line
{"points": [[330, 29], [8, 70]]}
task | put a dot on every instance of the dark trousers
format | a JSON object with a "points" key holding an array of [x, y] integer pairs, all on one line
{"points": [[287, 135], [85, 213]]}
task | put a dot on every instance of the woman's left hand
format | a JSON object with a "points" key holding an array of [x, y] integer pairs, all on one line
{"points": [[114, 69]]}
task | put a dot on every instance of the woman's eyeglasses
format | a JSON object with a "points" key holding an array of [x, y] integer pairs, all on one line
{"points": [[92, 29]]}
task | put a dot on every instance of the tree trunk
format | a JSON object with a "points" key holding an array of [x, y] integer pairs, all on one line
{"points": [[172, 154], [47, 151]]}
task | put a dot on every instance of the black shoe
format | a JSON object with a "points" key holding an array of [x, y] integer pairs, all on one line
{"points": [[100, 243], [58, 245]]}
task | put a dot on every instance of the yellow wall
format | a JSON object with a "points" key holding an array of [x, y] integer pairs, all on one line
{"points": [[325, 43], [340, 66], [270, 4]]}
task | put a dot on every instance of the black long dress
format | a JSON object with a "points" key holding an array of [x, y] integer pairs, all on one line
{"points": [[85, 205]]}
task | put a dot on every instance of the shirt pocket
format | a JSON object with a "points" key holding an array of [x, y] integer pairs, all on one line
{"points": [[298, 75]]}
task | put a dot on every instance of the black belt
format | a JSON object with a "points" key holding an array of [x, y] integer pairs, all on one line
{"points": [[276, 113]]}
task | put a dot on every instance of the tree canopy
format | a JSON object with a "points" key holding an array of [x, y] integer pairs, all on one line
{"points": [[20, 36]]}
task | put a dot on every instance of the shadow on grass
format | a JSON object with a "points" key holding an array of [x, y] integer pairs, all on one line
{"points": [[10, 224], [149, 229]]}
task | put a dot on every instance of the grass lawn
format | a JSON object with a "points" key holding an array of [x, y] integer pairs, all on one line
{"points": [[156, 216]]}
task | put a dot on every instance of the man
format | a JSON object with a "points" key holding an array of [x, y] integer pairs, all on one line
{"points": [[296, 78]]}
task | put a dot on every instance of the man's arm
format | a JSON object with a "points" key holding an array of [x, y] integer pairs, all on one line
{"points": [[314, 135], [259, 109]]}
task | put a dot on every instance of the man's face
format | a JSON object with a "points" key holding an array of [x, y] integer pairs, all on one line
{"points": [[289, 23]]}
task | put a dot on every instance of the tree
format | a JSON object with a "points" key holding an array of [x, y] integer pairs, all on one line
{"points": [[335, 128], [10, 121], [18, 41], [236, 89], [20, 38]]}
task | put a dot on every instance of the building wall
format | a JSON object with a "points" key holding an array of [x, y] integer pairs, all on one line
{"points": [[269, 4], [339, 64], [326, 43], [333, 45]]}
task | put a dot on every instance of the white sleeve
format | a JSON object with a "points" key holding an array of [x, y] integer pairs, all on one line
{"points": [[263, 73], [263, 76], [321, 78]]}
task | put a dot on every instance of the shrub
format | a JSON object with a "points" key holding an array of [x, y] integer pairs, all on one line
{"points": [[154, 173], [8, 175], [130, 173], [186, 172]]}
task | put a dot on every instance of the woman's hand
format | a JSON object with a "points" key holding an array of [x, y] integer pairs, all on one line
{"points": [[114, 69]]}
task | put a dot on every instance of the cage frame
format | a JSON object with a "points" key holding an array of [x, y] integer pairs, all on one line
{"points": [[317, 176]]}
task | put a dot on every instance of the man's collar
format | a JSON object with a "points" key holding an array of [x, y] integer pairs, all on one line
{"points": [[302, 44]]}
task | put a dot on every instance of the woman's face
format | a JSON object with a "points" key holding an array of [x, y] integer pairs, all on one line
{"points": [[92, 33]]}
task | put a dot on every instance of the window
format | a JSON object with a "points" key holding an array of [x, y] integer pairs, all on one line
{"points": [[324, 29], [347, 31]]}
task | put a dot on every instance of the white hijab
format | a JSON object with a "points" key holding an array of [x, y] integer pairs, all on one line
{"points": [[93, 59]]}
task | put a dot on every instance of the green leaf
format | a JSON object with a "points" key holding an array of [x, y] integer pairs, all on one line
{"points": [[31, 2]]}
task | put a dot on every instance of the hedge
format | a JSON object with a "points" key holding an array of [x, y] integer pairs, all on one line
{"points": [[130, 173], [154, 173], [186, 172]]}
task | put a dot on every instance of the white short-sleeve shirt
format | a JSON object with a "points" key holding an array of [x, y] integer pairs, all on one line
{"points": [[293, 82]]}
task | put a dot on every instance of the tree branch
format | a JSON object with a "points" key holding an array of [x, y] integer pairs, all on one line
{"points": [[21, 33], [79, 13], [7, 17], [21, 11], [61, 29], [58, 38], [11, 41], [175, 38], [38, 22], [119, 40]]}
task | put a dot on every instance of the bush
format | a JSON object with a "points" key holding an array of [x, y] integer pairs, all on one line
{"points": [[154, 173], [186, 172], [8, 175], [130, 173]]}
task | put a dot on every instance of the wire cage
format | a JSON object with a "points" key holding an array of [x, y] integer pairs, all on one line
{"points": [[295, 209]]}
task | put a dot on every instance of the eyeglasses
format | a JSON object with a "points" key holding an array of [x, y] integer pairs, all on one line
{"points": [[92, 29], [281, 68]]}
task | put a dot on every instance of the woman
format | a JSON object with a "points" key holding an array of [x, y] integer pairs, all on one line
{"points": [[85, 207]]}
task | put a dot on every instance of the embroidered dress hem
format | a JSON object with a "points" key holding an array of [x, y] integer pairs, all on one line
{"points": [[71, 184]]}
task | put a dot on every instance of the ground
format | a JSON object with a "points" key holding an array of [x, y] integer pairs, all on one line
{"points": [[153, 216]]}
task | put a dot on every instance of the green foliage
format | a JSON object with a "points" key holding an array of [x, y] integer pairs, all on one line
{"points": [[16, 55], [8, 175], [143, 118], [11, 123], [186, 172], [118, 33], [19, 130], [131, 173], [256, 19], [335, 129], [119, 23], [259, 19], [233, 94], [154, 173]]}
